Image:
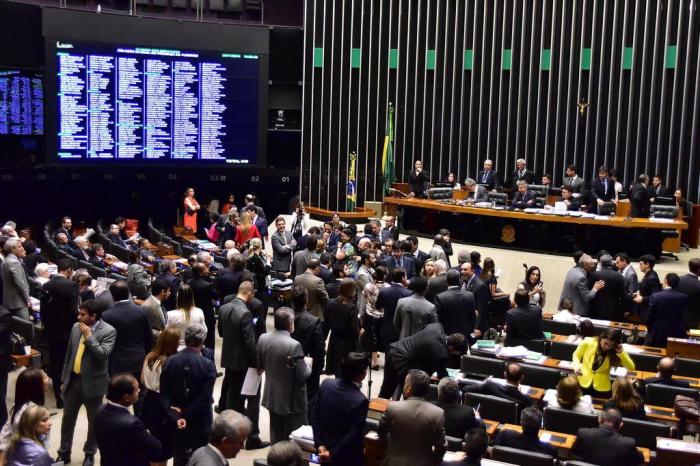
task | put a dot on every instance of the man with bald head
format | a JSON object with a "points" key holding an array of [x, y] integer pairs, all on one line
{"points": [[576, 285], [488, 176], [664, 375]]}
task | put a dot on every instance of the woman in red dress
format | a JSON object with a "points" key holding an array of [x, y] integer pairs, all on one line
{"points": [[191, 208], [245, 230]]}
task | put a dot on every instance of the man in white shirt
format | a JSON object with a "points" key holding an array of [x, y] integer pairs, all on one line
{"points": [[228, 433]]}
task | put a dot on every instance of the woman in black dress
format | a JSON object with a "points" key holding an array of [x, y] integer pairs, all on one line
{"points": [[341, 318]]}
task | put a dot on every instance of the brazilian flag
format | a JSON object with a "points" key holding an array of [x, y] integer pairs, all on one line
{"points": [[352, 184], [388, 154]]}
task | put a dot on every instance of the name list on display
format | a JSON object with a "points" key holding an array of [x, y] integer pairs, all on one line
{"points": [[21, 103]]}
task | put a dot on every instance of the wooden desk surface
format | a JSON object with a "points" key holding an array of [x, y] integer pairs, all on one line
{"points": [[645, 349], [617, 325], [617, 222], [558, 439]]}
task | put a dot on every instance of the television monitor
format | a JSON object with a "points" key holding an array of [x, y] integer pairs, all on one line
{"points": [[125, 103], [21, 103]]}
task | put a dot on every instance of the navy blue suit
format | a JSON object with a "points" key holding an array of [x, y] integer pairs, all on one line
{"points": [[409, 265], [261, 225], [387, 299], [599, 190], [490, 179], [134, 337], [665, 316], [338, 421], [123, 438], [524, 200]]}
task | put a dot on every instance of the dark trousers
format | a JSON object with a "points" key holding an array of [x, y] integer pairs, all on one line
{"points": [[246, 405], [394, 376], [73, 398], [57, 355], [3, 395], [187, 442], [281, 425]]}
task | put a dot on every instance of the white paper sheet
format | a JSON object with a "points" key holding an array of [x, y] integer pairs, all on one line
{"points": [[251, 382]]}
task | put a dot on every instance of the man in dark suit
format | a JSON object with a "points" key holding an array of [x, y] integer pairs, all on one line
{"points": [[326, 272], [397, 260], [567, 198], [528, 439], [238, 354], [603, 445], [524, 198], [390, 229], [428, 350], [228, 280], [59, 308], [640, 197], [658, 189], [5, 360], [418, 180], [510, 390], [204, 294], [186, 385], [260, 223], [85, 377], [228, 432], [121, 437], [456, 309], [134, 336], [387, 299], [649, 285], [340, 271], [172, 276], [308, 330], [115, 237], [524, 322], [689, 285], [410, 248], [459, 418], [607, 303], [521, 173], [602, 189], [488, 176], [66, 228], [482, 296], [155, 306], [341, 411], [664, 375], [665, 313]]}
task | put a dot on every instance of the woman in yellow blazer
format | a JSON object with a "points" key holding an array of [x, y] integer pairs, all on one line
{"points": [[594, 358]]}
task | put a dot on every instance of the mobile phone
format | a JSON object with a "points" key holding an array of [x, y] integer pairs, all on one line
{"points": [[313, 459]]}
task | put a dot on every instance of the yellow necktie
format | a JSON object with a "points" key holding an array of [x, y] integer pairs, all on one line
{"points": [[79, 356]]}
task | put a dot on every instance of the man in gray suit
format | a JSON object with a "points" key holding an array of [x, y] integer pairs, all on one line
{"points": [[15, 287], [576, 285], [85, 376], [228, 432], [315, 289], [283, 245], [414, 312], [629, 275], [415, 427], [238, 354], [155, 307], [475, 192], [286, 371], [302, 258]]}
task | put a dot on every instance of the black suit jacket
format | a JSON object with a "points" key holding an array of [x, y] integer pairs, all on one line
{"points": [[490, 180], [523, 324], [690, 286], [458, 418], [528, 176], [259, 311], [418, 182], [665, 317], [667, 381], [605, 447], [436, 285], [640, 200], [309, 332], [338, 421], [333, 288], [59, 308], [203, 291], [239, 349], [456, 311], [409, 265], [123, 438], [425, 350], [174, 281], [505, 391], [482, 296], [187, 382], [607, 304], [513, 439], [649, 285], [387, 299], [228, 281], [419, 260], [599, 191], [134, 337], [5, 343], [326, 275], [524, 200]]}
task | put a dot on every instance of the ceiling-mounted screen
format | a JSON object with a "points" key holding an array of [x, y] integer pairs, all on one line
{"points": [[21, 103], [155, 105]]}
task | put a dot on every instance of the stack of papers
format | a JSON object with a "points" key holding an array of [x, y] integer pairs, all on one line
{"points": [[632, 349], [566, 364], [516, 352], [304, 437], [661, 220], [618, 372]]}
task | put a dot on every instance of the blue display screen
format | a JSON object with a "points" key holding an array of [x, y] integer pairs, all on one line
{"points": [[21, 103], [130, 103]]}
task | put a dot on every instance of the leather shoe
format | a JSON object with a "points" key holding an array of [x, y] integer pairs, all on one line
{"points": [[65, 457], [256, 444], [89, 460]]}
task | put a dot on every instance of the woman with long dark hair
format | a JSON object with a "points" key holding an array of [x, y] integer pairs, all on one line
{"points": [[533, 285], [595, 357], [626, 399], [341, 318], [191, 206]]}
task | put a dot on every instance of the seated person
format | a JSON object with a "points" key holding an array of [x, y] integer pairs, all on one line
{"points": [[524, 322], [510, 390], [475, 192], [626, 400], [64, 245], [603, 445], [664, 376], [567, 197], [137, 273], [98, 257], [528, 439], [523, 198], [145, 254], [568, 396], [121, 223], [41, 271], [566, 313], [458, 418], [81, 246], [116, 238], [474, 447]]}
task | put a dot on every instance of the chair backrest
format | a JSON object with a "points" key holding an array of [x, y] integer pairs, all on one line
{"points": [[121, 253], [116, 276], [520, 457], [432, 394], [664, 395], [567, 421], [539, 189], [558, 328], [563, 351], [687, 367], [188, 251], [480, 365], [499, 198], [607, 208], [644, 433], [493, 407], [541, 377], [23, 327], [645, 362], [453, 443], [664, 211], [440, 193], [578, 463], [154, 235]]}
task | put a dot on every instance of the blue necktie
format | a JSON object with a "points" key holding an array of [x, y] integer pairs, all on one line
{"points": [[485, 177]]}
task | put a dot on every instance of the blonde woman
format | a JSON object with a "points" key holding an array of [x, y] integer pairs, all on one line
{"points": [[429, 269], [259, 265], [245, 230], [27, 443], [186, 313]]}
